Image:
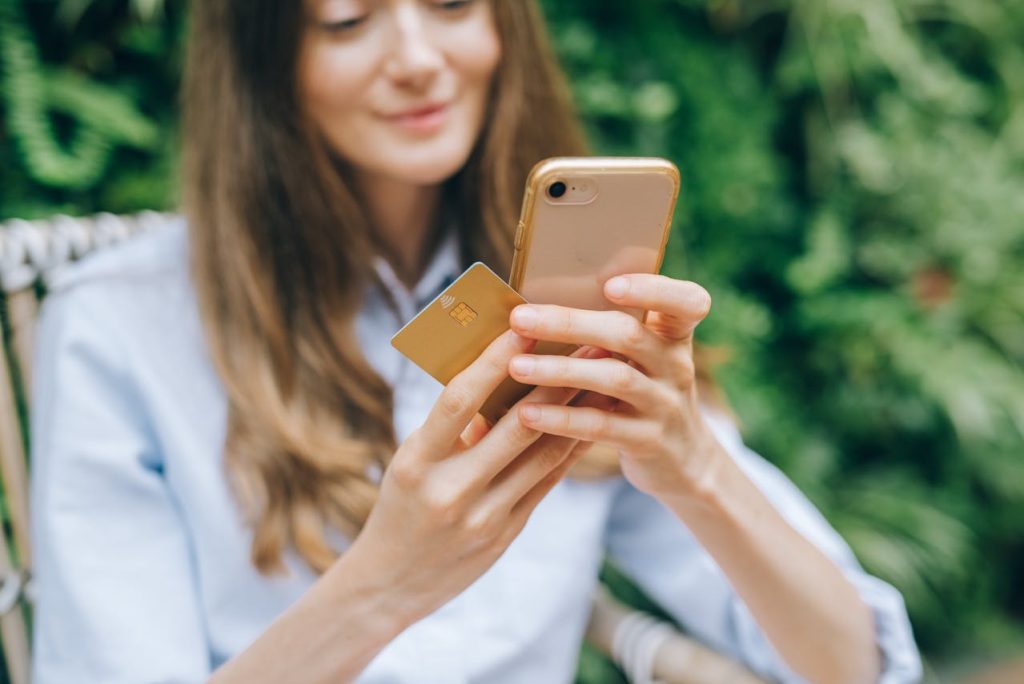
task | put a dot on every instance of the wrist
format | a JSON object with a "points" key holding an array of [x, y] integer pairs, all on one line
{"points": [[330, 634], [360, 590], [709, 484], [696, 471]]}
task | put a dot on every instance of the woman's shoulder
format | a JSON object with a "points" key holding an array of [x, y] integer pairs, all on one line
{"points": [[123, 324], [137, 293]]}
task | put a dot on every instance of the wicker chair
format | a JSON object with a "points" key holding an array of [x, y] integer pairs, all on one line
{"points": [[30, 254]]}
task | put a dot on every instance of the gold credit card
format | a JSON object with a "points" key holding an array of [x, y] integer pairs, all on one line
{"points": [[452, 331]]}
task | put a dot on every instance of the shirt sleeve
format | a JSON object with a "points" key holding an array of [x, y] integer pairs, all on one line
{"points": [[116, 599], [651, 545]]}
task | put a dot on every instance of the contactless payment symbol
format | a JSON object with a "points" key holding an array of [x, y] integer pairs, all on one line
{"points": [[447, 301], [463, 314]]}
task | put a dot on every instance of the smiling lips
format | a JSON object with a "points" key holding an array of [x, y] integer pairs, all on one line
{"points": [[422, 121]]}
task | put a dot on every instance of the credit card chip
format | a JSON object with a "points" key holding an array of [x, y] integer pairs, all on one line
{"points": [[463, 314]]}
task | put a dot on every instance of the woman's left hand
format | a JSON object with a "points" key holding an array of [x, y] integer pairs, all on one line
{"points": [[651, 413]]}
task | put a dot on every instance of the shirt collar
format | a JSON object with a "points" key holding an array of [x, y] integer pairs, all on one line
{"points": [[443, 269]]}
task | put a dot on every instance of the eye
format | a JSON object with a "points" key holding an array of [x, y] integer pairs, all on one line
{"points": [[452, 5], [341, 26]]}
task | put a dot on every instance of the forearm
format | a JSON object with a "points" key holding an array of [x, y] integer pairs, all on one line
{"points": [[808, 610], [329, 635]]}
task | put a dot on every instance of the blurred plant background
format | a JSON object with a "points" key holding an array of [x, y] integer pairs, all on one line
{"points": [[853, 199]]}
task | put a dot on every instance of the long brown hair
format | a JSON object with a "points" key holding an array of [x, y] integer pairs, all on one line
{"points": [[281, 248]]}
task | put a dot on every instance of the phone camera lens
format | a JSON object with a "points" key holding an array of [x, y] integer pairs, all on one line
{"points": [[556, 189]]}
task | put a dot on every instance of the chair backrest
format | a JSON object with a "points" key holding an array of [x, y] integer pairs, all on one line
{"points": [[31, 253]]}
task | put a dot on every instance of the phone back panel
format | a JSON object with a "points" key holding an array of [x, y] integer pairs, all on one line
{"points": [[566, 251]]}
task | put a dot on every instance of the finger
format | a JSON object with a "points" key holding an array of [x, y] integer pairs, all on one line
{"points": [[463, 396], [523, 473], [628, 433], [601, 461], [608, 376], [532, 475], [510, 436], [676, 306], [595, 400], [475, 431], [507, 438], [562, 394], [527, 502], [613, 330]]}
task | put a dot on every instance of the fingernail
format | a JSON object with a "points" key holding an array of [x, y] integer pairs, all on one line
{"points": [[524, 317], [522, 365], [531, 413], [616, 287]]}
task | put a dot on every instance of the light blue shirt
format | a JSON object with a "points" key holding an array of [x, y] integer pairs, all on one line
{"points": [[142, 558]]}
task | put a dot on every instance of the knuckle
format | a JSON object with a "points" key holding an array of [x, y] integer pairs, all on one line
{"points": [[600, 426], [480, 525], [634, 332], [546, 365], [665, 431], [646, 437], [672, 403], [565, 420], [406, 472], [550, 458], [570, 323], [442, 505], [454, 400], [685, 370], [520, 432], [497, 362], [561, 366], [623, 377]]}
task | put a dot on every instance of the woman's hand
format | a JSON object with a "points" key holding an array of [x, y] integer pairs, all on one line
{"points": [[457, 492], [649, 409], [455, 495], [809, 611]]}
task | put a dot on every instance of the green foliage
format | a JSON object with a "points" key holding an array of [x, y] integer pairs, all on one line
{"points": [[80, 136], [853, 176], [852, 199]]}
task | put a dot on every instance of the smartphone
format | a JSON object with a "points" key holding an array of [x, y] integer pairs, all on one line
{"points": [[587, 219]]}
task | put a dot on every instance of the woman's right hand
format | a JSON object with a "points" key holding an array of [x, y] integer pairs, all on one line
{"points": [[457, 493]]}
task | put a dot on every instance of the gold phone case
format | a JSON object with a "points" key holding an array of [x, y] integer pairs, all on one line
{"points": [[614, 218], [453, 330]]}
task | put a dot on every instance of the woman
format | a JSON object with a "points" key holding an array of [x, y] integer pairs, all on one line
{"points": [[236, 477]]}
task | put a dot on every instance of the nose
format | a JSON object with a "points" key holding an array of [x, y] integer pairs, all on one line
{"points": [[415, 60]]}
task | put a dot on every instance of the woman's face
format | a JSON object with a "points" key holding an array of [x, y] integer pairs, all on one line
{"points": [[399, 88]]}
